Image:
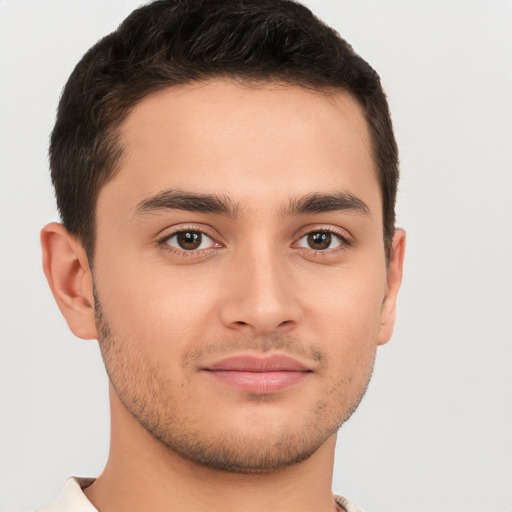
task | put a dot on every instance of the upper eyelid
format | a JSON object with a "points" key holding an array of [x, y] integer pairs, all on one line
{"points": [[335, 230], [171, 231], [175, 233]]}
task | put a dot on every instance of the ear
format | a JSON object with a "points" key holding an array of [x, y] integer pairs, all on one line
{"points": [[394, 279], [66, 267]]}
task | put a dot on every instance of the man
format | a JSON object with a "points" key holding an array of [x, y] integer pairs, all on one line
{"points": [[226, 174]]}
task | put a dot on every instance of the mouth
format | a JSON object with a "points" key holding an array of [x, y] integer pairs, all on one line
{"points": [[260, 375]]}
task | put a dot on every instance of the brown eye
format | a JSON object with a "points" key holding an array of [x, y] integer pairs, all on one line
{"points": [[320, 240], [190, 240]]}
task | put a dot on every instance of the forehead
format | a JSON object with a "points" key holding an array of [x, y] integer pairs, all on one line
{"points": [[245, 142]]}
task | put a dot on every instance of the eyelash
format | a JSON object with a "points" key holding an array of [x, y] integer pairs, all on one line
{"points": [[345, 242], [162, 242]]}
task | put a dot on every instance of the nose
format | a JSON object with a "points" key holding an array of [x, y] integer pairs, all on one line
{"points": [[260, 295]]}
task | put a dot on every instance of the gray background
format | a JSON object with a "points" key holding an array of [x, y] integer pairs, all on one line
{"points": [[435, 429]]}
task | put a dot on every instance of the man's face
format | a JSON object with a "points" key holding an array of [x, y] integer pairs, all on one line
{"points": [[240, 272]]}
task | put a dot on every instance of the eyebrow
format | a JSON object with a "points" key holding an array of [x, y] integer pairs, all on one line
{"points": [[192, 202], [211, 203], [320, 203]]}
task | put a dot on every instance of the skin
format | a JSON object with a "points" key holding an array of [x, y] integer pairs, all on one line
{"points": [[255, 286]]}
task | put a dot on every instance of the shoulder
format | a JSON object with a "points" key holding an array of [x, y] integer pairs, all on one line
{"points": [[347, 505], [72, 498]]}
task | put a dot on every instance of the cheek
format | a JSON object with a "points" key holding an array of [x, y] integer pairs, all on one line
{"points": [[349, 297], [163, 308], [346, 312]]}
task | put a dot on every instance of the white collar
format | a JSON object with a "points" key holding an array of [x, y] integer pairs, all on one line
{"points": [[73, 499]]}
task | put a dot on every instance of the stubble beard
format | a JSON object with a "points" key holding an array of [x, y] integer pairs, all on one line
{"points": [[154, 401]]}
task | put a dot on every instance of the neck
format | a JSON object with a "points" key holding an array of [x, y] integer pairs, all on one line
{"points": [[143, 474]]}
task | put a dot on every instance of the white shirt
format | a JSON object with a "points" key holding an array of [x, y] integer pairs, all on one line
{"points": [[72, 499]]}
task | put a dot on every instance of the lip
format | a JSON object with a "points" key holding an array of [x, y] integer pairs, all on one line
{"points": [[253, 363], [260, 375]]}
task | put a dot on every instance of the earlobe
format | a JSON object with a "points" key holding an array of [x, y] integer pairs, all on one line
{"points": [[394, 280], [67, 270]]}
